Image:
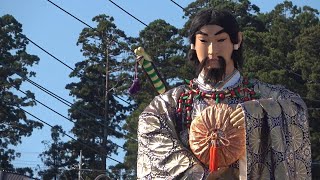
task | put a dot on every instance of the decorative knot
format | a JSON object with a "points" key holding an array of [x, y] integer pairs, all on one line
{"points": [[217, 137]]}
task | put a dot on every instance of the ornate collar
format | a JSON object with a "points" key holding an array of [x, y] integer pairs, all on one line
{"points": [[243, 91]]}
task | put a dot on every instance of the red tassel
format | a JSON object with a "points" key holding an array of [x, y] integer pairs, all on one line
{"points": [[213, 163]]}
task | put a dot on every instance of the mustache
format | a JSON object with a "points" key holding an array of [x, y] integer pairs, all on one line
{"points": [[202, 64], [213, 75]]}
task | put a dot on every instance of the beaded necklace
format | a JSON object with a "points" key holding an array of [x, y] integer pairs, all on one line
{"points": [[244, 92]]}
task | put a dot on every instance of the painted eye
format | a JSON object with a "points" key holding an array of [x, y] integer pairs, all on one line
{"points": [[221, 40]]}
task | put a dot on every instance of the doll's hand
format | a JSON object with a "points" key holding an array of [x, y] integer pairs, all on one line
{"points": [[237, 118]]}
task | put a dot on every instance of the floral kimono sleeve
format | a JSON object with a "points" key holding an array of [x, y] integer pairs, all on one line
{"points": [[161, 155]]}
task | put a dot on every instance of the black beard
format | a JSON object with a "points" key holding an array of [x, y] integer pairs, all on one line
{"points": [[213, 75]]}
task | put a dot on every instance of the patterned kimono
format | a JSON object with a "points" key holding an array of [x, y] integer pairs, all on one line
{"points": [[276, 128]]}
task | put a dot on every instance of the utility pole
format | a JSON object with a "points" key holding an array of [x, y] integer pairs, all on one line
{"points": [[105, 45], [80, 164], [55, 160]]}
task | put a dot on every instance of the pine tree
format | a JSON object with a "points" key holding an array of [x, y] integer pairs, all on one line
{"points": [[14, 63], [58, 158], [96, 92]]}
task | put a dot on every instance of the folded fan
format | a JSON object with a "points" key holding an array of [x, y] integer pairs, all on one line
{"points": [[213, 139]]}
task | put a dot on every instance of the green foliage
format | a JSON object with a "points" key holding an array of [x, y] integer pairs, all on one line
{"points": [[58, 158], [100, 47], [14, 122], [163, 43], [243, 10], [287, 53]]}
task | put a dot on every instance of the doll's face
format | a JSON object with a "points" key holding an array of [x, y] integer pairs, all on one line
{"points": [[211, 42]]}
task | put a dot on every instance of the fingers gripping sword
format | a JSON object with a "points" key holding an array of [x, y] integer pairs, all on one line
{"points": [[146, 63]]}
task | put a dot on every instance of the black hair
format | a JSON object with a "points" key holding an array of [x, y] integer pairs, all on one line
{"points": [[221, 18]]}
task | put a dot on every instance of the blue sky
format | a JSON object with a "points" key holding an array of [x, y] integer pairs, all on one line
{"points": [[57, 33]]}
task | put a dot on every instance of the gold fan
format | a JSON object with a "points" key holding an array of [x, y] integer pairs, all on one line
{"points": [[213, 139]]}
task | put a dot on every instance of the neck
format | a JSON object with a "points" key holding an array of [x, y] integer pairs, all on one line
{"points": [[229, 71]]}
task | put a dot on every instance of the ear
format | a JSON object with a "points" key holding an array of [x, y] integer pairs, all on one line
{"points": [[237, 46], [192, 46]]}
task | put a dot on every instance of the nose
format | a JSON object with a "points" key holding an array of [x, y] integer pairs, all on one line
{"points": [[210, 49]]}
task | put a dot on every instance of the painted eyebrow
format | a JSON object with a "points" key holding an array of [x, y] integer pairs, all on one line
{"points": [[205, 34]]}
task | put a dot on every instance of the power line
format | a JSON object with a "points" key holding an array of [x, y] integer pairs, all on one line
{"points": [[28, 152], [281, 67], [64, 100], [94, 133], [93, 28], [26, 163], [69, 104], [178, 5], [128, 13], [84, 144], [122, 100], [70, 14], [56, 96], [48, 53], [78, 19], [59, 60]]}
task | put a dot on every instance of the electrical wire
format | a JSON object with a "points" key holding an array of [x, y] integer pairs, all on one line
{"points": [[86, 24], [178, 5], [83, 143], [92, 27], [288, 70], [70, 14], [69, 104], [82, 127], [58, 97], [61, 61], [48, 52], [280, 67], [128, 13]]}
